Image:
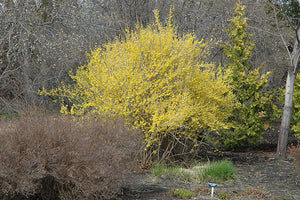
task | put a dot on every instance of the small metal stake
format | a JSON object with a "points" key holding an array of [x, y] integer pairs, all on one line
{"points": [[212, 185]]}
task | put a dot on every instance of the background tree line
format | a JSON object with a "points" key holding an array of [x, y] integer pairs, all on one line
{"points": [[42, 40]]}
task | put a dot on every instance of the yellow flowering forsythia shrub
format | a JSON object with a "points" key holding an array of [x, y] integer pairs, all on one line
{"points": [[159, 82]]}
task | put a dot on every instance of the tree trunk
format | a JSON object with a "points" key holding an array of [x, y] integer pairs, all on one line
{"points": [[287, 114], [288, 103]]}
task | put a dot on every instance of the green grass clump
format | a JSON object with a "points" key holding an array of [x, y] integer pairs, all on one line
{"points": [[160, 169], [178, 171], [211, 171], [182, 193], [219, 171], [9, 116], [224, 195]]}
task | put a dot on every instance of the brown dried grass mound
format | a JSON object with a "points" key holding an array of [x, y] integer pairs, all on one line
{"points": [[54, 157], [295, 152]]}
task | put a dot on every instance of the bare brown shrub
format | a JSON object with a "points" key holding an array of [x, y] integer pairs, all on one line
{"points": [[55, 157], [295, 153]]}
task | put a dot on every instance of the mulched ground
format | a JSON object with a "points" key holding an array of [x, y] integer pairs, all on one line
{"points": [[259, 176]]}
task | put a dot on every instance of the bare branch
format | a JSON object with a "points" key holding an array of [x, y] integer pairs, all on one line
{"points": [[265, 31]]}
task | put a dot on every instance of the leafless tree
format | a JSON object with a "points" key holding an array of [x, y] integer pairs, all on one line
{"points": [[293, 56]]}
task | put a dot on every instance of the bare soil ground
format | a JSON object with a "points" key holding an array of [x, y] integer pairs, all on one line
{"points": [[259, 176]]}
